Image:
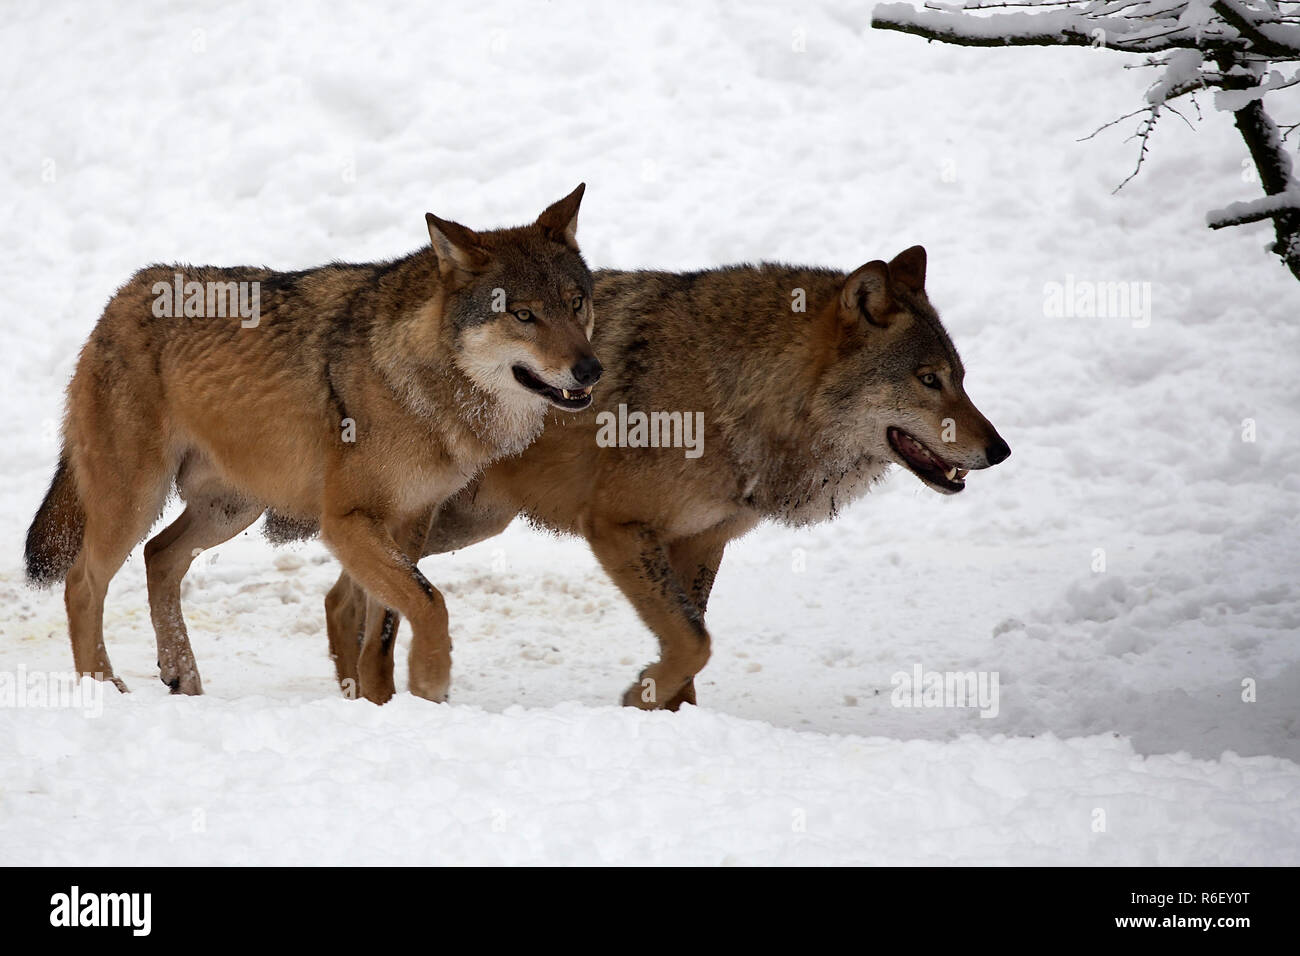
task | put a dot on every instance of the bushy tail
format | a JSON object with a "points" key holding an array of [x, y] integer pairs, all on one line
{"points": [[54, 539]]}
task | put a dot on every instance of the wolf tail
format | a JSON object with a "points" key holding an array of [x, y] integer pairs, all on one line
{"points": [[54, 539]]}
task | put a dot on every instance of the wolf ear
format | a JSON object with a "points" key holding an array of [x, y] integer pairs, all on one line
{"points": [[560, 220], [908, 269], [457, 246], [867, 295]]}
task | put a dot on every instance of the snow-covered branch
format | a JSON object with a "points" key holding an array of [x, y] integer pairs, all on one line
{"points": [[1230, 46], [1269, 155], [1254, 210], [1262, 30], [1064, 25]]}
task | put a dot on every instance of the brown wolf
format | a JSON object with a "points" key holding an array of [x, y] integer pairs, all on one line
{"points": [[802, 411], [353, 398]]}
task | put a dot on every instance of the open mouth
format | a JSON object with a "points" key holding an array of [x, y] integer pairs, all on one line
{"points": [[925, 464], [568, 399]]}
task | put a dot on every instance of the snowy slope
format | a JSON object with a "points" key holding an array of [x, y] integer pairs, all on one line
{"points": [[325, 781], [290, 136]]}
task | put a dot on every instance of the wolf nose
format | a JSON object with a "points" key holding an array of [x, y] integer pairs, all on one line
{"points": [[587, 371], [998, 451]]}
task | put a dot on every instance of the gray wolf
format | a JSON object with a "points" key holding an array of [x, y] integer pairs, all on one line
{"points": [[356, 400], [803, 409]]}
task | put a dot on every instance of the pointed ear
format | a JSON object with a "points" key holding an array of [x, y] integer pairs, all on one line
{"points": [[457, 246], [560, 220], [867, 295], [908, 269]]}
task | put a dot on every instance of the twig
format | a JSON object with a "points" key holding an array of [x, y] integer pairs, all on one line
{"points": [[1117, 120], [1145, 129]]}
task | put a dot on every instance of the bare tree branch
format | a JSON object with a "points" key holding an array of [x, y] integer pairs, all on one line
{"points": [[1144, 131], [1115, 122]]}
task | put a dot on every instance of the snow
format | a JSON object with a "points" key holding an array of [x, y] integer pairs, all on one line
{"points": [[328, 782], [1129, 573], [1000, 25], [1230, 101], [1183, 67], [1290, 199]]}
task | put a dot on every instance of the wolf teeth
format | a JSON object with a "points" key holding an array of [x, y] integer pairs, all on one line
{"points": [[951, 473], [566, 393]]}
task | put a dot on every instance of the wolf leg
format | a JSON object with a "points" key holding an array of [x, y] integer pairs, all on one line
{"points": [[122, 489], [375, 653], [462, 520], [638, 562], [361, 634], [212, 515], [391, 579], [379, 634], [107, 543], [345, 623], [83, 595], [695, 562]]}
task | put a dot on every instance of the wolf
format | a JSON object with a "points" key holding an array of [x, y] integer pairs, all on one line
{"points": [[812, 383], [359, 399]]}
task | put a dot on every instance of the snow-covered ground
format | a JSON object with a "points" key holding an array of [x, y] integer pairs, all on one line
{"points": [[290, 136]]}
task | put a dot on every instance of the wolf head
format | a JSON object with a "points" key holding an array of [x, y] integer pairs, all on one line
{"points": [[519, 307], [899, 379]]}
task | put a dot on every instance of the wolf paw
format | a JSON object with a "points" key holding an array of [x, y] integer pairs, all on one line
{"points": [[430, 676], [433, 690], [684, 696], [178, 682], [644, 694]]}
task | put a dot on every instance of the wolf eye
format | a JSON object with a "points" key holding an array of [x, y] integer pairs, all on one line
{"points": [[930, 380], [525, 315], [577, 303]]}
